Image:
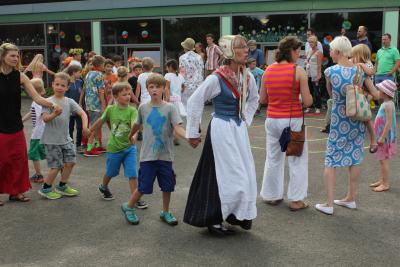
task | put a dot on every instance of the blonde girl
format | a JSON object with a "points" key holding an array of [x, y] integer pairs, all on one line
{"points": [[361, 56], [122, 74], [385, 131], [37, 67]]}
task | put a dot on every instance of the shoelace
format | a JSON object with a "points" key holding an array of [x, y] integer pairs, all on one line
{"points": [[169, 217]]}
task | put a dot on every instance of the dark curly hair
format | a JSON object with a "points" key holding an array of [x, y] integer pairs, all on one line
{"points": [[285, 47]]}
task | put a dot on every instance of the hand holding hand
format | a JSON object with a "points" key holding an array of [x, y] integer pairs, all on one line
{"points": [[194, 142], [132, 139], [381, 141], [57, 109]]}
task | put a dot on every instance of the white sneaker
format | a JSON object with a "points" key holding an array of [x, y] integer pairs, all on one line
{"points": [[324, 209], [307, 110], [317, 111], [346, 204]]}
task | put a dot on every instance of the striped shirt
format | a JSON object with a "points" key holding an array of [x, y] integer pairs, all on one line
{"points": [[213, 53], [278, 79]]}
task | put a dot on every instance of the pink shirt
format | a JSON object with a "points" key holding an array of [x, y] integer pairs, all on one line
{"points": [[213, 53]]}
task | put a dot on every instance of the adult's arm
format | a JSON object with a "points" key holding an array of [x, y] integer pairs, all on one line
{"points": [[395, 67], [301, 76], [263, 91], [30, 90], [320, 55], [371, 88], [207, 90]]}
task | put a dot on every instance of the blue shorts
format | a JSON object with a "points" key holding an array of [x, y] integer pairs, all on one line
{"points": [[161, 169], [128, 159]]}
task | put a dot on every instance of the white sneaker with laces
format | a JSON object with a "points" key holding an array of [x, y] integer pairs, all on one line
{"points": [[324, 209], [318, 111], [346, 204]]}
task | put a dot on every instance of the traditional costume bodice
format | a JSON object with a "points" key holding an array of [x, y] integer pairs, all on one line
{"points": [[226, 106]]}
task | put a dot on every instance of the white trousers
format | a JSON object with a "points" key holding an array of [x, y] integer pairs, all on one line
{"points": [[273, 180]]}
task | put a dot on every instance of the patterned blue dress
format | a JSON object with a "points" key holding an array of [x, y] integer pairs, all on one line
{"points": [[346, 138]]}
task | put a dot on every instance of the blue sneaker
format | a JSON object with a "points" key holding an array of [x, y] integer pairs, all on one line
{"points": [[130, 214], [168, 218]]}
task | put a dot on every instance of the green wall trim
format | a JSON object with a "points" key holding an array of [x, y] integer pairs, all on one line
{"points": [[226, 25], [96, 37], [391, 25], [276, 6]]}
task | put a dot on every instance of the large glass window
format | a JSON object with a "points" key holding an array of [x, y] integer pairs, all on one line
{"points": [[271, 28], [332, 23], [22, 35], [131, 31], [176, 30], [61, 37]]}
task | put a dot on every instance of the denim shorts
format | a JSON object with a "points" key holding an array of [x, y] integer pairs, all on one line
{"points": [[161, 169], [381, 77], [127, 158], [57, 155]]}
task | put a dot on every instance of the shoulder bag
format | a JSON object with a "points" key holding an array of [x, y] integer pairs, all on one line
{"points": [[357, 106]]}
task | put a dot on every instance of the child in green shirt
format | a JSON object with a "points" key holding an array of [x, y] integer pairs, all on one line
{"points": [[121, 116]]}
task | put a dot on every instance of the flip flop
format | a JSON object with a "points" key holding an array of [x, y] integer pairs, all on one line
{"points": [[380, 189], [303, 206], [378, 183], [20, 198], [373, 149]]}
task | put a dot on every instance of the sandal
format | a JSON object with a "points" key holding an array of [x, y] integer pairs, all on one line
{"points": [[378, 183], [273, 202], [373, 148], [19, 198], [302, 205], [381, 188]]}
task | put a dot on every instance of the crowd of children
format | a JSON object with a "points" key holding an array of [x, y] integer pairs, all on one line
{"points": [[139, 104]]}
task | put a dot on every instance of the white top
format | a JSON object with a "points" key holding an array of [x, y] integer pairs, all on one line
{"points": [[115, 70], [37, 121], [208, 90], [176, 82], [144, 94], [191, 67]]}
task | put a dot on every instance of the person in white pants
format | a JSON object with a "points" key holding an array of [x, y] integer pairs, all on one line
{"points": [[283, 83]]}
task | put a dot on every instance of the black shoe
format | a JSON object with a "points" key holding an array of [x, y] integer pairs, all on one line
{"points": [[219, 231], [141, 204], [106, 193], [139, 136], [326, 129], [245, 224]]}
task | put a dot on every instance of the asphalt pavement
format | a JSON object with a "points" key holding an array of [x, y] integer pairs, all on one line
{"points": [[88, 231]]}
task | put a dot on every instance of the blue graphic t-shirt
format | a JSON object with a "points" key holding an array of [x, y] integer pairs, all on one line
{"points": [[158, 131]]}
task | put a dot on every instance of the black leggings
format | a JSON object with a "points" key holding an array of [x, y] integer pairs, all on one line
{"points": [[316, 92], [72, 120]]}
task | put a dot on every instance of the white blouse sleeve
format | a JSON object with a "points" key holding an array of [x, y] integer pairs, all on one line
{"points": [[252, 100], [206, 91]]}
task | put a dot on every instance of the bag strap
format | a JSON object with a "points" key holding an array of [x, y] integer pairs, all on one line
{"points": [[293, 95]]}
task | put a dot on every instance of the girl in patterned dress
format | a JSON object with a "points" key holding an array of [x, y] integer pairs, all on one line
{"points": [[385, 130]]}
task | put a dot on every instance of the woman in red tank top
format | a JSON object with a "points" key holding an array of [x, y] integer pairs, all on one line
{"points": [[283, 104]]}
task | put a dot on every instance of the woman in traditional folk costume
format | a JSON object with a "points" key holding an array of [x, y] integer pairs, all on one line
{"points": [[224, 186]]}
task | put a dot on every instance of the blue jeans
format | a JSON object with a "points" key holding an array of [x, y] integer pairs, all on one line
{"points": [[381, 77]]}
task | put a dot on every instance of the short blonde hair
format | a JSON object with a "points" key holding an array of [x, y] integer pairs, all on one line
{"points": [[62, 76], [118, 87], [122, 72], [361, 54], [342, 45], [38, 85], [147, 63], [156, 79]]}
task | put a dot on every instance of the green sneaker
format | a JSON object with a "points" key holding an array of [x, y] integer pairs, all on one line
{"points": [[130, 214], [49, 194], [168, 218], [67, 191]]}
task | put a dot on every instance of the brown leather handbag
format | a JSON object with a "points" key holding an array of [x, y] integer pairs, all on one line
{"points": [[297, 139]]}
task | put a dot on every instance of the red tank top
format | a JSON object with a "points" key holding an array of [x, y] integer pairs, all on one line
{"points": [[278, 79]]}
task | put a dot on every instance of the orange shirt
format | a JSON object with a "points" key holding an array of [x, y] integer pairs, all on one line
{"points": [[109, 80], [278, 79]]}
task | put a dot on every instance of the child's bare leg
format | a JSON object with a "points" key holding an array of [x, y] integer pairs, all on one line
{"points": [[36, 166], [106, 180], [378, 183], [51, 176], [133, 183], [66, 171], [166, 199], [384, 186], [134, 198]]}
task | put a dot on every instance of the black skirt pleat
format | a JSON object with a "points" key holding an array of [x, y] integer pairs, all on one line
{"points": [[203, 207]]}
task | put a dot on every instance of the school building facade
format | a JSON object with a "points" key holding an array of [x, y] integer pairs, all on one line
{"points": [[156, 28]]}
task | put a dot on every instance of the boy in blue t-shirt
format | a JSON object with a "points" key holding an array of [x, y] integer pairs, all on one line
{"points": [[159, 120], [74, 92]]}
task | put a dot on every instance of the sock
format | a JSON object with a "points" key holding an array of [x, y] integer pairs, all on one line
{"points": [[61, 184], [46, 186], [89, 147]]}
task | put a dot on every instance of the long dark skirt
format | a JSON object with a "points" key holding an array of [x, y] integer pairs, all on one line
{"points": [[203, 207]]}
